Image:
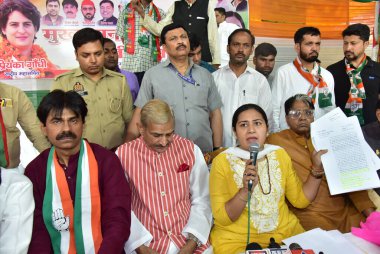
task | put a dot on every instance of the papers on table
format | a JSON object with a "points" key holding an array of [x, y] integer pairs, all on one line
{"points": [[350, 164], [324, 241]]}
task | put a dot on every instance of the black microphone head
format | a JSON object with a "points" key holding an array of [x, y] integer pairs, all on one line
{"points": [[295, 246], [273, 244], [253, 246], [254, 147]]}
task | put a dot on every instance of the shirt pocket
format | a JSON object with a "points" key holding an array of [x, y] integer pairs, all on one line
{"points": [[247, 97], [114, 103]]}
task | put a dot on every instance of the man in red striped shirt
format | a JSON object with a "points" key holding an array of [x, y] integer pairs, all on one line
{"points": [[169, 182]]}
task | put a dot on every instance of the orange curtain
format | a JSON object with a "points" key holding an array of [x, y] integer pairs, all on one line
{"points": [[281, 18]]}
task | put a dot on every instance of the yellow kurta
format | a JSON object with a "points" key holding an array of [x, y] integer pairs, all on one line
{"points": [[270, 216], [327, 212]]}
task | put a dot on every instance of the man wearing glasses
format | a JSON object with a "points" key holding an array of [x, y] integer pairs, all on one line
{"points": [[327, 212]]}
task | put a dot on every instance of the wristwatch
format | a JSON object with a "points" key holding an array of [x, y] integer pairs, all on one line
{"points": [[195, 239]]}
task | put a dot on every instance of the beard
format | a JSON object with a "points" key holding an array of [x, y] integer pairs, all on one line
{"points": [[350, 56], [310, 58]]}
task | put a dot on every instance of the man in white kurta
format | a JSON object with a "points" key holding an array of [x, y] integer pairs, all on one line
{"points": [[239, 84], [169, 181], [289, 81], [16, 211]]}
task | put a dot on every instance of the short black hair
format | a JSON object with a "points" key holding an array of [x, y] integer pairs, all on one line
{"points": [[310, 30], [358, 29], [298, 97], [265, 49], [27, 9], [72, 2], [86, 35], [194, 41], [58, 100], [106, 1], [221, 10], [246, 107], [241, 30], [49, 1], [168, 28], [105, 40]]}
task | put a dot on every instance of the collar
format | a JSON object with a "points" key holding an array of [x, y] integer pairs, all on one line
{"points": [[167, 62], [248, 69], [301, 140], [244, 154], [78, 72]]}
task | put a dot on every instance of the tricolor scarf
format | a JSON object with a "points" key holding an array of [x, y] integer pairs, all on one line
{"points": [[354, 104], [4, 155], [73, 229], [130, 32], [317, 84]]}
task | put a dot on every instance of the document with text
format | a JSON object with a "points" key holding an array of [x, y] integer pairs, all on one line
{"points": [[350, 164]]}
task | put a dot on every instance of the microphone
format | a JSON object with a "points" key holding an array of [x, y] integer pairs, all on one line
{"points": [[297, 249], [253, 152], [253, 246]]}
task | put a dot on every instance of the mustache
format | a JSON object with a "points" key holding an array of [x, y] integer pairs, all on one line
{"points": [[180, 45], [66, 134]]}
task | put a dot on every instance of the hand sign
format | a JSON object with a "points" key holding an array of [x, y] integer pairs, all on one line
{"points": [[60, 222]]}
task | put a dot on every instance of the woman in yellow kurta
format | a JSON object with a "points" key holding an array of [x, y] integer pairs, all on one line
{"points": [[273, 181]]}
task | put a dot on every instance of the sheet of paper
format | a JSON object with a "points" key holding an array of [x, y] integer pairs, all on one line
{"points": [[350, 164], [321, 240]]}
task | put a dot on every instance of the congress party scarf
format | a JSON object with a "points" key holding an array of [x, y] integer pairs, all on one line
{"points": [[4, 155], [130, 32], [354, 104], [317, 84], [73, 229]]}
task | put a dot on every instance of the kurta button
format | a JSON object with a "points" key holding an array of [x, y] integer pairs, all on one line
{"points": [[187, 124], [162, 193], [160, 174], [185, 98], [166, 213], [187, 110], [190, 15], [189, 24]]}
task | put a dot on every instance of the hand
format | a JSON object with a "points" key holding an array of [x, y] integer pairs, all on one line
{"points": [[60, 222], [145, 250], [250, 173], [188, 248], [136, 5], [316, 160]]}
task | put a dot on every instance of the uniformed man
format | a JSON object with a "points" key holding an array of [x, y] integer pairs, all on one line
{"points": [[106, 93], [16, 107]]}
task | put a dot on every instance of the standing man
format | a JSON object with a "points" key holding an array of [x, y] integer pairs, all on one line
{"points": [[106, 93], [141, 48], [265, 59], [305, 76], [224, 31], [111, 62], [239, 84], [174, 204], [328, 212], [88, 12], [52, 17], [70, 8], [15, 107], [195, 53], [357, 77], [196, 16], [82, 198], [106, 11], [188, 88]]}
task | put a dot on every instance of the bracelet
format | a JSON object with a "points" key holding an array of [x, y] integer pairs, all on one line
{"points": [[316, 173], [240, 197], [195, 239]]}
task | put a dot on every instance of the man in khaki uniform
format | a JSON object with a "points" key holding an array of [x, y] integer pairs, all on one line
{"points": [[15, 107], [106, 93]]}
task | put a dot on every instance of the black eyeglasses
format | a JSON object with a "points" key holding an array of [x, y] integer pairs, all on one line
{"points": [[296, 114]]}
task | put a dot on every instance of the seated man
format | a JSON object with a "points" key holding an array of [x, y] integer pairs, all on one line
{"points": [[16, 212], [327, 212], [169, 182], [82, 197]]}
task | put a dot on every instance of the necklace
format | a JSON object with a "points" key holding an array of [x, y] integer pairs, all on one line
{"points": [[270, 185]]}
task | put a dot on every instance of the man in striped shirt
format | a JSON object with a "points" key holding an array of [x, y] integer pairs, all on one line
{"points": [[169, 182]]}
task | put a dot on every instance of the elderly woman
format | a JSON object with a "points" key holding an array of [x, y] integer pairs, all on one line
{"points": [[263, 208], [19, 57]]}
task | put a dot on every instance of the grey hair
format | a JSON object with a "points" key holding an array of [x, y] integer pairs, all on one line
{"points": [[298, 97]]}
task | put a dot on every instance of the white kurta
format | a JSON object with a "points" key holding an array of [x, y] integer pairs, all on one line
{"points": [[16, 212], [249, 87], [288, 82]]}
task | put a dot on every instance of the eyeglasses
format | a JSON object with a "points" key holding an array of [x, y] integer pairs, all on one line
{"points": [[296, 114]]}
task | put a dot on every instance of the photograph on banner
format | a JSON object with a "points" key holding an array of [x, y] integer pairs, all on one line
{"points": [[36, 35], [236, 11]]}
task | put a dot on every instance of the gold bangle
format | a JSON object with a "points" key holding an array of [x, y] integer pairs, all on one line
{"points": [[316, 173]]}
